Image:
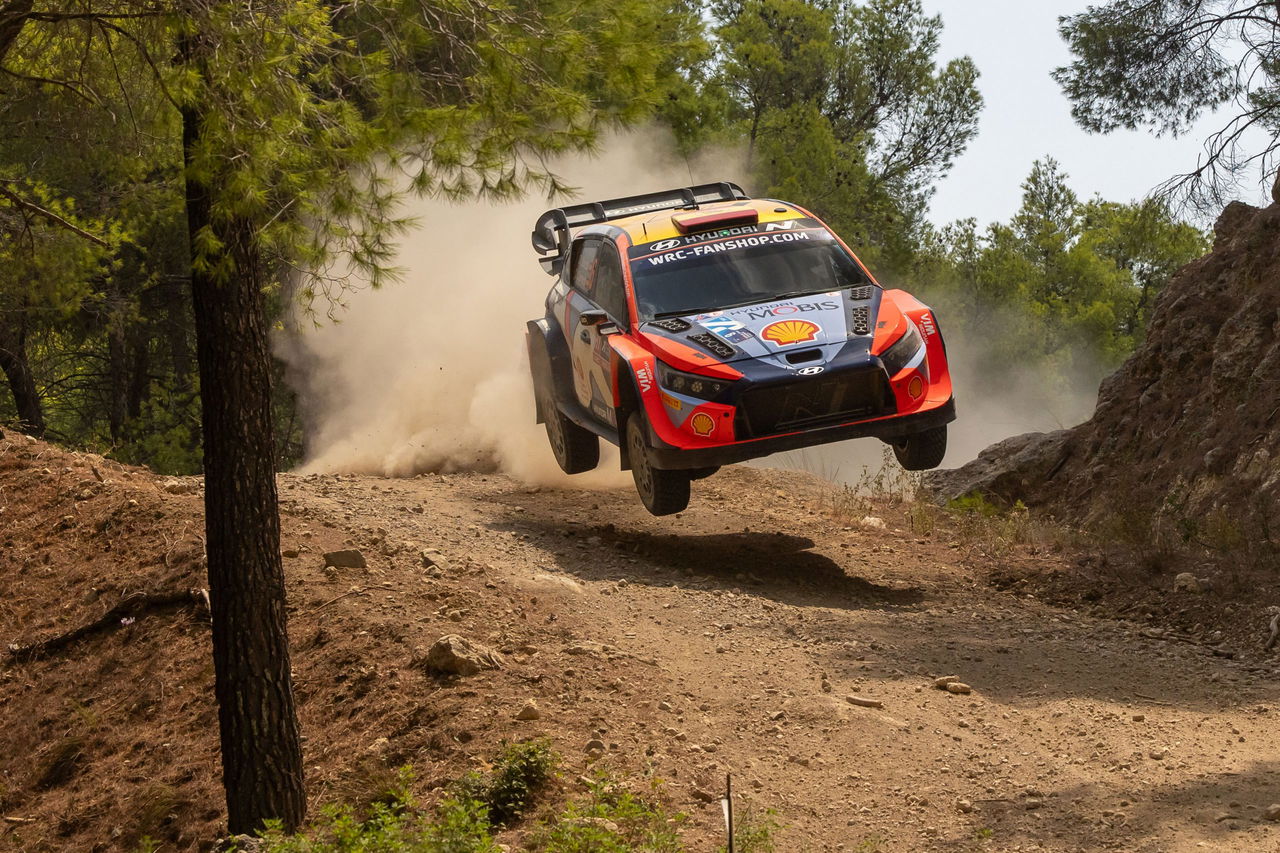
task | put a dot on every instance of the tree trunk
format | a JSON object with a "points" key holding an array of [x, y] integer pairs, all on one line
{"points": [[17, 370], [261, 752], [117, 363], [13, 16]]}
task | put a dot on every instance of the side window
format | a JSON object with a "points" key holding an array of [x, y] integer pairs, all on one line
{"points": [[584, 264], [610, 293]]}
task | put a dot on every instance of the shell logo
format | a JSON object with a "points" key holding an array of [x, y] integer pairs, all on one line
{"points": [[787, 332], [702, 423]]}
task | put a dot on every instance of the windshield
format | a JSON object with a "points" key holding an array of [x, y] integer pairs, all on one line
{"points": [[719, 274]]}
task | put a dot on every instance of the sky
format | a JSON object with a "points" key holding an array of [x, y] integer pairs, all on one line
{"points": [[1015, 45]]}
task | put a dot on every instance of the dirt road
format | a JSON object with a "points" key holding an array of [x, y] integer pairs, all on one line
{"points": [[723, 640], [727, 640]]}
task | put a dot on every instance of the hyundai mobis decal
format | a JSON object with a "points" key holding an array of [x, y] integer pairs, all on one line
{"points": [[794, 334]]}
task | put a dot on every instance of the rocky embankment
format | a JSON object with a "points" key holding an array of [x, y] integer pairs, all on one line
{"points": [[1187, 431]]}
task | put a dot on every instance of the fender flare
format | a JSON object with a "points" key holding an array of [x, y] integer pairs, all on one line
{"points": [[548, 360]]}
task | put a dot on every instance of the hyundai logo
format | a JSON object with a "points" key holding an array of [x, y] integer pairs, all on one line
{"points": [[663, 245], [810, 371]]}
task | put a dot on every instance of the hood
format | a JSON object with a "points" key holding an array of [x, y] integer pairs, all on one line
{"points": [[809, 329]]}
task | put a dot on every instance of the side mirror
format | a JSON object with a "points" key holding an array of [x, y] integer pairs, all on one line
{"points": [[608, 328], [592, 318]]}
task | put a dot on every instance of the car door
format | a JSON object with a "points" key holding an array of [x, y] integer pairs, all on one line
{"points": [[608, 294], [580, 338]]}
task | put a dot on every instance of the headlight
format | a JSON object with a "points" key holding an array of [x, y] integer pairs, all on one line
{"points": [[903, 350], [691, 384]]}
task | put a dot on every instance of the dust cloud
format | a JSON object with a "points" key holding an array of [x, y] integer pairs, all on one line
{"points": [[430, 374]]}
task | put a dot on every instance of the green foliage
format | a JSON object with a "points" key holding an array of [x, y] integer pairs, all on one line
{"points": [[508, 788], [610, 820], [846, 111], [974, 504], [1066, 286], [459, 827], [1162, 64], [308, 123], [753, 831], [607, 820]]}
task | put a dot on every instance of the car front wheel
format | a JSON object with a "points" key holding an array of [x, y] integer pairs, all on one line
{"points": [[922, 450], [662, 492]]}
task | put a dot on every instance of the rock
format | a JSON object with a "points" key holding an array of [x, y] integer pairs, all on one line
{"points": [[864, 703], [350, 558], [529, 711], [291, 553], [964, 806], [1138, 718], [1003, 471], [1272, 812], [1031, 803], [959, 688], [1157, 754], [872, 522], [180, 487], [455, 655], [432, 558], [1186, 582], [941, 683], [595, 746], [703, 795]]}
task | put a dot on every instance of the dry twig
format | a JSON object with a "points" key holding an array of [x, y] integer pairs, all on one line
{"points": [[132, 605]]}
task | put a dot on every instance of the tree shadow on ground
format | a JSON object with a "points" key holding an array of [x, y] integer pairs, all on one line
{"points": [[781, 567], [1026, 658], [1135, 817]]}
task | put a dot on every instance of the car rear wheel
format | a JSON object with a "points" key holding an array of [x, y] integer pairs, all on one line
{"points": [[662, 492], [922, 450], [576, 449]]}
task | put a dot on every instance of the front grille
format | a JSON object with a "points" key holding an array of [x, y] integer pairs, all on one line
{"points": [[824, 400]]}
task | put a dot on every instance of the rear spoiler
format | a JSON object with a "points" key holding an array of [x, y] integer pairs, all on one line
{"points": [[551, 232]]}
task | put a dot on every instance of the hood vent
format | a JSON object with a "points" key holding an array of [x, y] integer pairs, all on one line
{"points": [[860, 320], [804, 355], [713, 344]]}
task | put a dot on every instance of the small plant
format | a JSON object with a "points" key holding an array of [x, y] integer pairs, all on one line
{"points": [[870, 844], [611, 821], [508, 788], [752, 832], [395, 827]]}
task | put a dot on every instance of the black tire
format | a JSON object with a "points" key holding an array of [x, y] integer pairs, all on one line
{"points": [[576, 449], [663, 492], [702, 473], [922, 450]]}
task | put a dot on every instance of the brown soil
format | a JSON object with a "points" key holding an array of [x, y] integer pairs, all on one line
{"points": [[722, 640]]}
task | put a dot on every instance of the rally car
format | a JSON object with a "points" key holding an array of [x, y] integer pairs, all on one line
{"points": [[697, 327]]}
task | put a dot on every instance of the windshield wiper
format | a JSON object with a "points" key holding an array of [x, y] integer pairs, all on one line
{"points": [[683, 312]]}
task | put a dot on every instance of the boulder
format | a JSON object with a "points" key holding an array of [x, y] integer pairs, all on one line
{"points": [[455, 655], [350, 558]]}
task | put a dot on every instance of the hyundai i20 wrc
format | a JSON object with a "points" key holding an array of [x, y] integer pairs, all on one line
{"points": [[698, 327]]}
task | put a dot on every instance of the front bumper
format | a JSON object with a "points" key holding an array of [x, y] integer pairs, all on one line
{"points": [[893, 426]]}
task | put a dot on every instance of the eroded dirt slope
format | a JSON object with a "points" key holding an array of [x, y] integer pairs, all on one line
{"points": [[722, 640]]}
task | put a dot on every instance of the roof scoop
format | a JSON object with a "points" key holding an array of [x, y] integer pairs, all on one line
{"points": [[690, 223]]}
